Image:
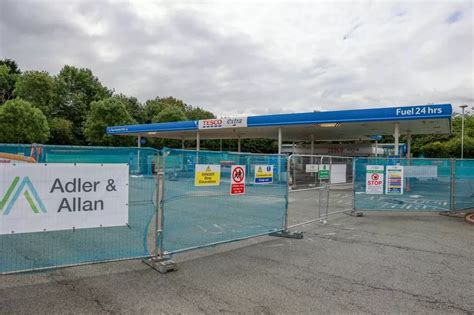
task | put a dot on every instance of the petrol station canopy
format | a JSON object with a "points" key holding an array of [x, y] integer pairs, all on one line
{"points": [[341, 125]]}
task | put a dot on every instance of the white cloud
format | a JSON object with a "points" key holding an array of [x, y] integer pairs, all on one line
{"points": [[249, 58]]}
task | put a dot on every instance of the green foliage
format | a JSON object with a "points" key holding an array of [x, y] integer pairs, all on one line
{"points": [[7, 83], [77, 89], [22, 123], [134, 108], [38, 88], [109, 112], [447, 146], [14, 69], [198, 113], [157, 105], [61, 131], [169, 113]]}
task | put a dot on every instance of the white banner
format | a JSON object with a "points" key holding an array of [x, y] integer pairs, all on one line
{"points": [[421, 171], [338, 173], [217, 123], [312, 168], [52, 197]]}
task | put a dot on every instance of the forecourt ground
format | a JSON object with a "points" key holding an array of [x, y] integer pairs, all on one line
{"points": [[384, 262]]}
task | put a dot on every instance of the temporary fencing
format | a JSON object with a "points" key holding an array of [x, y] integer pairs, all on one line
{"points": [[388, 184], [81, 205], [59, 246], [320, 185], [200, 208]]}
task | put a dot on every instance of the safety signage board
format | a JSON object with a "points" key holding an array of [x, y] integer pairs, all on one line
{"points": [[312, 168], [263, 174], [394, 180], [323, 171], [207, 175], [374, 180], [237, 180]]}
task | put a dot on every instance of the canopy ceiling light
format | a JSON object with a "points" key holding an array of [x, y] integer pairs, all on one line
{"points": [[329, 125]]}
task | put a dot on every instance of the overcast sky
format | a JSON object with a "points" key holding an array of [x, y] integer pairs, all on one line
{"points": [[240, 58]]}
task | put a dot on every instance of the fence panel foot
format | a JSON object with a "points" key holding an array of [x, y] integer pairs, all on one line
{"points": [[288, 234], [357, 213], [161, 264]]}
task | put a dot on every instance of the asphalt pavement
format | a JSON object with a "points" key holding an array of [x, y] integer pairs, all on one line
{"points": [[382, 263]]}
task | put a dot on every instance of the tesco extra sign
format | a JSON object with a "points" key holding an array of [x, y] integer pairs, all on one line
{"points": [[223, 123]]}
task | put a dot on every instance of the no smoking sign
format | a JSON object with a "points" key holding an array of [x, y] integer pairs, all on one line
{"points": [[237, 180]]}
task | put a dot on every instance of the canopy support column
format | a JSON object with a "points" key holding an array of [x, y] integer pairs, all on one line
{"points": [[280, 140], [198, 141], [396, 135], [182, 144], [220, 146], [238, 144], [139, 141], [408, 186], [409, 145]]}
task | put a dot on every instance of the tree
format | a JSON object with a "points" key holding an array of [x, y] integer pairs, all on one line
{"points": [[7, 83], [134, 108], [11, 64], [445, 146], [38, 88], [197, 113], [22, 123], [61, 131], [105, 113], [77, 89], [169, 113]]}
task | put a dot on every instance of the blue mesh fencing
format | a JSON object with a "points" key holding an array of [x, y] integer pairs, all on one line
{"points": [[195, 216], [30, 251], [464, 185], [427, 186]]}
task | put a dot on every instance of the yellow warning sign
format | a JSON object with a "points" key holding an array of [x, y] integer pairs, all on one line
{"points": [[263, 174], [207, 175]]}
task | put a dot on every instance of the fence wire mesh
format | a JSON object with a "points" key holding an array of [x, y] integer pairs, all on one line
{"points": [[30, 251], [198, 216], [464, 185], [320, 186], [423, 185]]}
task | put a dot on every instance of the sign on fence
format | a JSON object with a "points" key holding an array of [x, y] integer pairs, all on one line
{"points": [[421, 171], [263, 174], [312, 168], [52, 197], [207, 175], [374, 179], [237, 184], [394, 184], [323, 171]]}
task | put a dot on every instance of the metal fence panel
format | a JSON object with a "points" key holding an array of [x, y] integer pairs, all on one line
{"points": [[427, 185], [196, 216], [31, 251], [464, 185], [315, 195]]}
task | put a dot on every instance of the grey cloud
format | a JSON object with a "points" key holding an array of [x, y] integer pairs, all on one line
{"points": [[183, 54]]}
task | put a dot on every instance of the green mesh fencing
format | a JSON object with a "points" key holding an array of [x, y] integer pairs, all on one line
{"points": [[31, 251], [464, 185], [197, 216], [426, 186]]}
